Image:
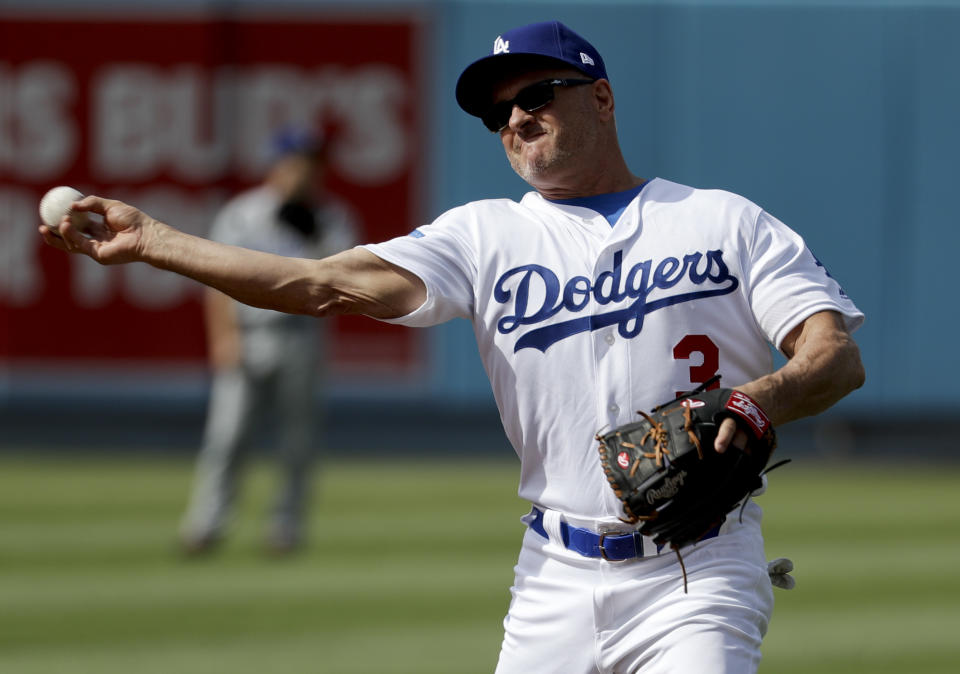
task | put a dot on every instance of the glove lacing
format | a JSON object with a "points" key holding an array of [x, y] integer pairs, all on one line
{"points": [[658, 433]]}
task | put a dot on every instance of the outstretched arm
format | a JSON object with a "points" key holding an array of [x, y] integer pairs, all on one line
{"points": [[824, 366], [352, 282]]}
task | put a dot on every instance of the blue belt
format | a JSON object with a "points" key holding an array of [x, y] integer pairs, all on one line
{"points": [[611, 547]]}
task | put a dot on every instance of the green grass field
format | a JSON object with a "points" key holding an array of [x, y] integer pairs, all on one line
{"points": [[403, 575]]}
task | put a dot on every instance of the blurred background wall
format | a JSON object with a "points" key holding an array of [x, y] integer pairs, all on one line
{"points": [[840, 118]]}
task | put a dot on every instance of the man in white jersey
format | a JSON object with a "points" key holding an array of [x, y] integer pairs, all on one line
{"points": [[598, 294]]}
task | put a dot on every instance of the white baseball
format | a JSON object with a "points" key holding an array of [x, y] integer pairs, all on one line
{"points": [[56, 203]]}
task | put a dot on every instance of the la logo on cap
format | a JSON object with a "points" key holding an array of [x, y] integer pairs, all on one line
{"points": [[501, 46]]}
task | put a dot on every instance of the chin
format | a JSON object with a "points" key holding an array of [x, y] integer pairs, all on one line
{"points": [[528, 172], [530, 164]]}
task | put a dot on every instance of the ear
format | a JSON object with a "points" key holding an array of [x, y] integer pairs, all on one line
{"points": [[603, 97]]}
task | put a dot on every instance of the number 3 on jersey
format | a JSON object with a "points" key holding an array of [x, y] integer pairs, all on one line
{"points": [[704, 346]]}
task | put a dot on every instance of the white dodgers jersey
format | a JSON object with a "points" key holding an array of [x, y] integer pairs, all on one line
{"points": [[581, 324]]}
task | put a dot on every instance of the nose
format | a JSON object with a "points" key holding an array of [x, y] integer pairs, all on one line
{"points": [[519, 117]]}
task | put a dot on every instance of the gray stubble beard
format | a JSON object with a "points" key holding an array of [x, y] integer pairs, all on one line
{"points": [[564, 150]]}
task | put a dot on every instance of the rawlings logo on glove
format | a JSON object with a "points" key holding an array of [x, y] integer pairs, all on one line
{"points": [[749, 411]]}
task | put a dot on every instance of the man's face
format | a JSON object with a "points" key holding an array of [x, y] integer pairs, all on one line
{"points": [[297, 177], [545, 146]]}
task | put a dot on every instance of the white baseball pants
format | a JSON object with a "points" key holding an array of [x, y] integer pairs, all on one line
{"points": [[577, 615]]}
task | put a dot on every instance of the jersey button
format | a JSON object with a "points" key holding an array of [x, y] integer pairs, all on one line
{"points": [[615, 409], [609, 339]]}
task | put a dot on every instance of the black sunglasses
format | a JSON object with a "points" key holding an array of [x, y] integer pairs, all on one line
{"points": [[530, 99]]}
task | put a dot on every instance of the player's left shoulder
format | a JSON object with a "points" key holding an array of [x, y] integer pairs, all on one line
{"points": [[665, 196], [713, 217]]}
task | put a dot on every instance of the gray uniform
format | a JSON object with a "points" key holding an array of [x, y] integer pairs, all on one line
{"points": [[278, 373]]}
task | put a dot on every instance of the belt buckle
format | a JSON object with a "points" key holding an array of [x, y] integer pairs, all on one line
{"points": [[603, 537], [603, 550]]}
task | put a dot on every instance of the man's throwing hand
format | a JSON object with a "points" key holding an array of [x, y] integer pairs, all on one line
{"points": [[118, 236]]}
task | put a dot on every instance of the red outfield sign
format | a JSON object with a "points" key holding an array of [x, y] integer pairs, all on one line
{"points": [[174, 115]]}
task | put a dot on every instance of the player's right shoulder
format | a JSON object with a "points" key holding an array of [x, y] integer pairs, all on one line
{"points": [[240, 204], [256, 198], [481, 207], [242, 213], [485, 213]]}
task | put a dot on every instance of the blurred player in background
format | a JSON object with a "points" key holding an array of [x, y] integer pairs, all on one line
{"points": [[267, 365]]}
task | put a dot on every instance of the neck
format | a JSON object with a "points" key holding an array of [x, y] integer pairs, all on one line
{"points": [[592, 187], [610, 175]]}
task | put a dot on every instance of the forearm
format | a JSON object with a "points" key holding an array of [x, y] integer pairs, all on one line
{"points": [[825, 367], [352, 282], [254, 278], [223, 332]]}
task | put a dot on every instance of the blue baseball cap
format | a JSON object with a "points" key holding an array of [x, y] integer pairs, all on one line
{"points": [[536, 45], [296, 140]]}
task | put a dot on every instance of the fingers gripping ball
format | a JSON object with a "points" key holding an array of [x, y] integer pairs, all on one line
{"points": [[56, 203], [667, 474]]}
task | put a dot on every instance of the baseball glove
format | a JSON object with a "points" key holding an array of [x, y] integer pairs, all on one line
{"points": [[667, 474]]}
